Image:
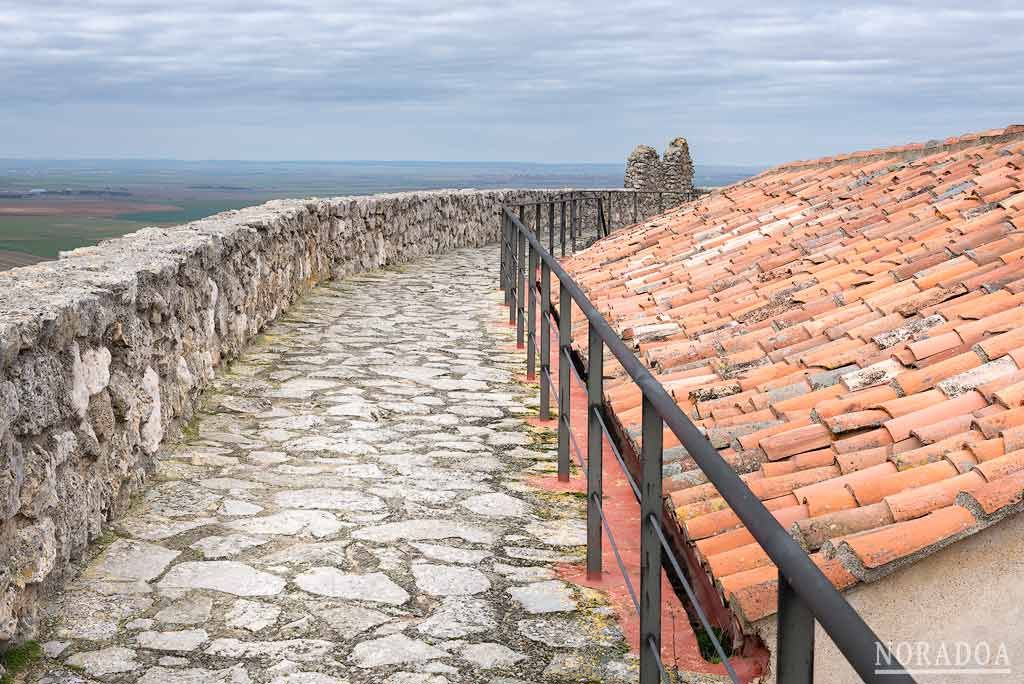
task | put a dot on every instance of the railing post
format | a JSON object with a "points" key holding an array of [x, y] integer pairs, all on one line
{"points": [[551, 227], [636, 207], [572, 223], [564, 340], [794, 647], [602, 228], [503, 242], [661, 202], [520, 288], [531, 313], [595, 444], [545, 339], [562, 220], [650, 547], [536, 223], [611, 212], [512, 268], [501, 246]]}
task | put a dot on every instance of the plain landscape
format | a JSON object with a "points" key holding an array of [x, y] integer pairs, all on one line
{"points": [[47, 206]]}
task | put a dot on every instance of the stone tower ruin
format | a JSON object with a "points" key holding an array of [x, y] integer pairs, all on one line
{"points": [[677, 167], [643, 169], [672, 172]]}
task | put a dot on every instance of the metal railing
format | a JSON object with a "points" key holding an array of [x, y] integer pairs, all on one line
{"points": [[805, 594], [573, 206]]}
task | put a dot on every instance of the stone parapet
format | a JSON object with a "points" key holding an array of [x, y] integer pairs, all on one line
{"points": [[104, 352]]}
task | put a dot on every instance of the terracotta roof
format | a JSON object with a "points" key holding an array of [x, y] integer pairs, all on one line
{"points": [[849, 333]]}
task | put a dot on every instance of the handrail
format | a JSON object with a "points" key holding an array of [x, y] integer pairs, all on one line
{"points": [[809, 593]]}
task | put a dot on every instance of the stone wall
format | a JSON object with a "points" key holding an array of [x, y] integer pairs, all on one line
{"points": [[103, 353]]}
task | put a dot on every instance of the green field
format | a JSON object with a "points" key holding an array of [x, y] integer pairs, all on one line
{"points": [[190, 211], [45, 236]]}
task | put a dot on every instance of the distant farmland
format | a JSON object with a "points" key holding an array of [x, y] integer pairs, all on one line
{"points": [[49, 206]]}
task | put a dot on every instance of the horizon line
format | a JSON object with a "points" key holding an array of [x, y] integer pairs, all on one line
{"points": [[351, 161]]}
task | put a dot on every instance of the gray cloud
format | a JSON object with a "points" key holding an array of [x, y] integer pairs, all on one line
{"points": [[528, 80]]}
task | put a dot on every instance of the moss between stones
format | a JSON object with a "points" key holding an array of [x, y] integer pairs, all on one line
{"points": [[106, 538], [18, 659], [189, 430]]}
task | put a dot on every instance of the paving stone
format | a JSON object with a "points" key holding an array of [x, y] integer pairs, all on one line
{"points": [[316, 553], [224, 547], [541, 555], [350, 620], [163, 675], [509, 439], [251, 615], [317, 523], [155, 528], [300, 650], [192, 610], [183, 640], [477, 411], [95, 617], [112, 660], [307, 678], [394, 649], [229, 483], [330, 499], [449, 554], [268, 457], [416, 678], [236, 507], [127, 565], [302, 388], [496, 505], [230, 577], [376, 587], [489, 655], [177, 499], [544, 597], [460, 616], [449, 580], [337, 444], [579, 667], [524, 574], [426, 529], [560, 532], [568, 633]]}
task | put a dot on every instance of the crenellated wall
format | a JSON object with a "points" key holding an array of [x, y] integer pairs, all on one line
{"points": [[103, 353]]}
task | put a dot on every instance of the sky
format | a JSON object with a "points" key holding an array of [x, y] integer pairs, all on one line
{"points": [[529, 80]]}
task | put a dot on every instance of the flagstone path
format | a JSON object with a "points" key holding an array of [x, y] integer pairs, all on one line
{"points": [[350, 505]]}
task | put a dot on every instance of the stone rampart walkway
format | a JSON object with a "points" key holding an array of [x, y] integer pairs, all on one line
{"points": [[351, 505]]}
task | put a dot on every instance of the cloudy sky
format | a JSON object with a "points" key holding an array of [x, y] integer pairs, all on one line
{"points": [[526, 80]]}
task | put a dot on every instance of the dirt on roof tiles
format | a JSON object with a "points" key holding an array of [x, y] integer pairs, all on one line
{"points": [[849, 331]]}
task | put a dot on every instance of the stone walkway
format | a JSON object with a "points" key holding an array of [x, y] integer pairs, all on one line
{"points": [[351, 505]]}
